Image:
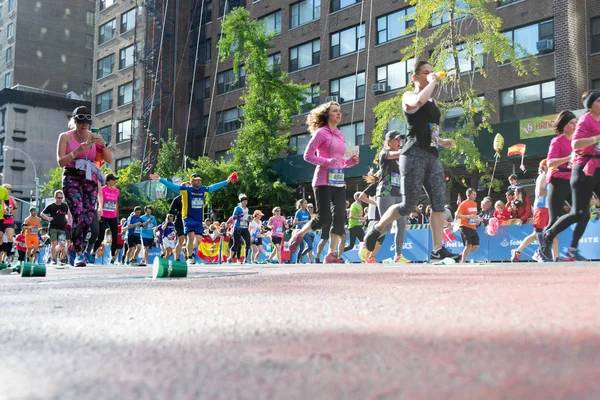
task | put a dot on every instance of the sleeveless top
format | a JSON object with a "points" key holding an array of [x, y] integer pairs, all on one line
{"points": [[423, 128], [277, 224], [87, 155]]}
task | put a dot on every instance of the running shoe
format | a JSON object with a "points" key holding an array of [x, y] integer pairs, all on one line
{"points": [[539, 257], [444, 253], [295, 242], [133, 264], [399, 258], [90, 257], [142, 264], [80, 260], [545, 246], [574, 255], [317, 260], [371, 238], [54, 261], [332, 259], [191, 261], [515, 255]]}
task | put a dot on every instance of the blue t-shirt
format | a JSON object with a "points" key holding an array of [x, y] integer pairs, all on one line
{"points": [[240, 217], [148, 230], [169, 231], [302, 216], [136, 230]]}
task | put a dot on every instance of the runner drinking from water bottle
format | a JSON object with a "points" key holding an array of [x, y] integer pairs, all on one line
{"points": [[326, 150], [420, 166]]}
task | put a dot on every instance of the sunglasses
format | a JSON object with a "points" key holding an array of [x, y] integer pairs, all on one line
{"points": [[83, 117], [59, 197]]}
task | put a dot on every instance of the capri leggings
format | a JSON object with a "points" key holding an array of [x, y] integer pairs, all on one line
{"points": [[582, 187], [239, 237], [82, 197], [559, 190], [421, 169], [324, 196], [385, 202], [113, 224]]}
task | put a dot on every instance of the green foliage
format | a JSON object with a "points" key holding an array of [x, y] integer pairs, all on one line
{"points": [[474, 31], [168, 157], [54, 182]]}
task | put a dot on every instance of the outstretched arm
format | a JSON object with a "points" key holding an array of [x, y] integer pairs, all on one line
{"points": [[217, 186]]}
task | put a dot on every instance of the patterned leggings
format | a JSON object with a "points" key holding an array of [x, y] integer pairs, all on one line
{"points": [[82, 198]]}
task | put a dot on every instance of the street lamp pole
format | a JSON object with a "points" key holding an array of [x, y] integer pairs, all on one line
{"points": [[5, 148]]}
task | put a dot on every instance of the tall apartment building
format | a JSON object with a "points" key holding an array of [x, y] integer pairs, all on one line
{"points": [[349, 50], [47, 45]]}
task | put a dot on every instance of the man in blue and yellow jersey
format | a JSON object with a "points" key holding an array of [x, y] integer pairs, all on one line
{"points": [[192, 208]]}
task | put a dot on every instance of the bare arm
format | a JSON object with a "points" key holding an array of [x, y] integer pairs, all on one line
{"points": [[585, 142], [412, 101], [365, 199], [555, 162]]}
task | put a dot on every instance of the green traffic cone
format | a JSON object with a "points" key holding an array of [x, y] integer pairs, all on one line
{"points": [[30, 270], [162, 268]]}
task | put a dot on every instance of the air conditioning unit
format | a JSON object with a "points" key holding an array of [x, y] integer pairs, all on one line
{"points": [[379, 88], [545, 46], [332, 98]]}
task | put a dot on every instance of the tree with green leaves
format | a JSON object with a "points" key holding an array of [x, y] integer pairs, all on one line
{"points": [[269, 106], [466, 38], [167, 161]]}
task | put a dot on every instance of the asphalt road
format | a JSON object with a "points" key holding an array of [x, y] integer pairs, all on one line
{"points": [[504, 331]]}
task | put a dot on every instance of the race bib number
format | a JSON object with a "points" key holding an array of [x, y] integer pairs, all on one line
{"points": [[597, 147], [472, 221], [62, 237], [336, 177], [150, 225], [138, 229], [243, 224], [279, 229], [197, 202], [171, 236], [434, 130], [33, 230], [110, 206], [395, 179]]}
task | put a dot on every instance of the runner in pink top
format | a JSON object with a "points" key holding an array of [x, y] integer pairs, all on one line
{"points": [[585, 180], [108, 206], [559, 166], [10, 210], [276, 223], [326, 150]]}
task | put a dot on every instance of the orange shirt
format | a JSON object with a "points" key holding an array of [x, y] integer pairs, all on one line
{"points": [[467, 207], [34, 224]]}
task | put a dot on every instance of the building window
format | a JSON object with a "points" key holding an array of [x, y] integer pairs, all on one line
{"points": [[595, 35], [274, 62], [9, 30], [206, 17], [107, 31], [125, 94], [106, 133], [204, 53], [11, 5], [87, 91], [8, 80], [122, 163], [394, 25], [123, 131], [533, 39], [8, 54], [348, 88], [466, 62], [305, 55], [223, 155], [272, 22], [229, 120], [339, 4], [106, 66], [444, 17], [89, 41], [106, 3], [207, 12], [347, 41], [202, 90], [596, 84], [126, 57], [89, 18], [354, 133], [304, 12], [312, 98], [395, 75], [529, 101], [299, 143], [226, 81], [128, 21], [231, 4], [104, 102]]}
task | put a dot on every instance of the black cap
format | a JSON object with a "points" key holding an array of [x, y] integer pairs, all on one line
{"points": [[81, 110], [111, 177], [391, 135]]}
